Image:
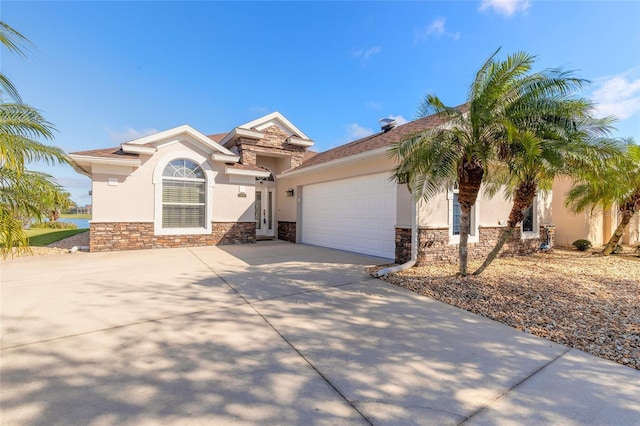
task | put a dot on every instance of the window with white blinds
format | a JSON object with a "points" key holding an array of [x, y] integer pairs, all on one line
{"points": [[454, 218], [183, 195]]}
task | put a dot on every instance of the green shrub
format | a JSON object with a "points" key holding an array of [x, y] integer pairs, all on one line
{"points": [[582, 245], [54, 225]]}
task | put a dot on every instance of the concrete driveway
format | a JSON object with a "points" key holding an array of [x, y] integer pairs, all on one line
{"points": [[274, 333]]}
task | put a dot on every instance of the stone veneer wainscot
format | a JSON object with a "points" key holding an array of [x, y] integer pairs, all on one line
{"points": [[112, 236], [287, 231], [434, 245]]}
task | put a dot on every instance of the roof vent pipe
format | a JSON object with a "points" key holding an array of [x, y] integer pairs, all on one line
{"points": [[387, 124]]}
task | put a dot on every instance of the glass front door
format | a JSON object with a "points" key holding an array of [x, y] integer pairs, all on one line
{"points": [[264, 212]]}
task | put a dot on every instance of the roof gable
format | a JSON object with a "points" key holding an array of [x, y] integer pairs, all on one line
{"points": [[167, 136], [274, 119]]}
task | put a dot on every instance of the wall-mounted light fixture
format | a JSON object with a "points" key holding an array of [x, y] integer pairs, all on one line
{"points": [[290, 192]]}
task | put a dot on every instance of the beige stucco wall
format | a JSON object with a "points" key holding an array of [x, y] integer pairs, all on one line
{"points": [[434, 213], [632, 236], [573, 226], [276, 165], [491, 211], [130, 199], [133, 198]]}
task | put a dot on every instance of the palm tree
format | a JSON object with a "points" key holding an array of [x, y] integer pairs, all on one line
{"points": [[612, 183], [460, 151], [564, 140], [22, 192]]}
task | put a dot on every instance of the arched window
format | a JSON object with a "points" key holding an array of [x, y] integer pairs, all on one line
{"points": [[183, 195], [270, 178]]}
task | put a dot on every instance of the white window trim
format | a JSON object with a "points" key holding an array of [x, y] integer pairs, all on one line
{"points": [[201, 161], [474, 236], [529, 235]]}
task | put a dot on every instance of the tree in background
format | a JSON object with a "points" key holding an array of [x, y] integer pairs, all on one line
{"points": [[23, 193], [461, 150], [613, 183]]}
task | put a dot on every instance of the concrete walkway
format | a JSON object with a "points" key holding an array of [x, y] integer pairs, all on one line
{"points": [[274, 333]]}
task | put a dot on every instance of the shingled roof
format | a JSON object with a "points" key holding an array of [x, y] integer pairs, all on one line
{"points": [[116, 152], [378, 140], [217, 138]]}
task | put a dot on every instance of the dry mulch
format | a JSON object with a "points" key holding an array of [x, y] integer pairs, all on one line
{"points": [[581, 300]]}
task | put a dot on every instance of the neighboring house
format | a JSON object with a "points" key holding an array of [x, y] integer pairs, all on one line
{"points": [[81, 210], [182, 188], [596, 226]]}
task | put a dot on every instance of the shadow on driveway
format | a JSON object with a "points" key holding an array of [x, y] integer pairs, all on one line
{"points": [[274, 333]]}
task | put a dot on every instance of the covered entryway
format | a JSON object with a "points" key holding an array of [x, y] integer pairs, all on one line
{"points": [[264, 211], [356, 214], [264, 206]]}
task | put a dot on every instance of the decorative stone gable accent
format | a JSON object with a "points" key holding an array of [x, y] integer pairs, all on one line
{"points": [[434, 247], [274, 137], [274, 142], [245, 151], [110, 236]]}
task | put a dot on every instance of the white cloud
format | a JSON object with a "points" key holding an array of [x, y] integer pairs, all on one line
{"points": [[365, 54], [129, 134], [435, 29], [618, 95], [505, 7], [259, 110], [373, 105], [355, 131], [400, 120]]}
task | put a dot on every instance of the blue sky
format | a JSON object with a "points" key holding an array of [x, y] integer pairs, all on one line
{"points": [[108, 72]]}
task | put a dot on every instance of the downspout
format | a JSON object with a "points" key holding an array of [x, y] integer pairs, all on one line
{"points": [[414, 245]]}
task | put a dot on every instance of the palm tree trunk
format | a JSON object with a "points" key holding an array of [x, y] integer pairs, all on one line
{"points": [[470, 174], [522, 199], [463, 253], [506, 234], [617, 235]]}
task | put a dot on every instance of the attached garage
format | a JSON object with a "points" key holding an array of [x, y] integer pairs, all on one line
{"points": [[356, 214]]}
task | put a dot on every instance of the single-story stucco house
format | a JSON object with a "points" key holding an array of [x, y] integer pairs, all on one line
{"points": [[260, 180]]}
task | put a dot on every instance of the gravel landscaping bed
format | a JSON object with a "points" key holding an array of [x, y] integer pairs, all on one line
{"points": [[581, 300], [59, 247]]}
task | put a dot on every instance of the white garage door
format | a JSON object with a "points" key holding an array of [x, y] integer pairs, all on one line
{"points": [[356, 214]]}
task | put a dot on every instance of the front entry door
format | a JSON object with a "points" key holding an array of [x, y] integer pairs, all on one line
{"points": [[264, 212]]}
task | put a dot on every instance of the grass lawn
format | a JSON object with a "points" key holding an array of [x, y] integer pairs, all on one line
{"points": [[44, 236]]}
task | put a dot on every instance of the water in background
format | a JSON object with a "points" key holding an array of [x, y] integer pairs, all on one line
{"points": [[80, 223]]}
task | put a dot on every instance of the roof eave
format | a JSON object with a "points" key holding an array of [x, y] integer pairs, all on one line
{"points": [[125, 162], [222, 158], [306, 143], [137, 149], [241, 133], [229, 170]]}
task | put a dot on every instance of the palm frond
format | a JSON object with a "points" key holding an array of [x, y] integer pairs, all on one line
{"points": [[7, 86]]}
